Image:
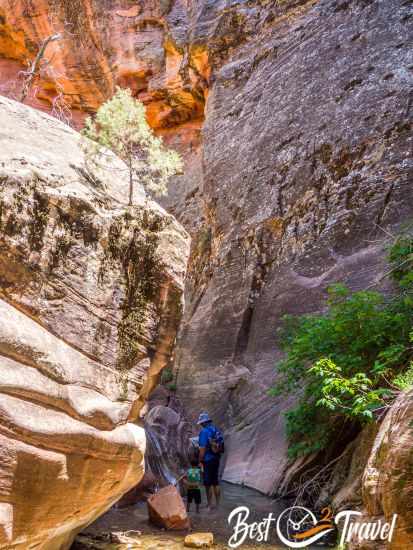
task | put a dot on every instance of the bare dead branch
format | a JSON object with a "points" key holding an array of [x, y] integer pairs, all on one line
{"points": [[35, 66]]}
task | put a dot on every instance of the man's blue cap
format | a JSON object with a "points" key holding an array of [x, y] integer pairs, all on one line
{"points": [[203, 417]]}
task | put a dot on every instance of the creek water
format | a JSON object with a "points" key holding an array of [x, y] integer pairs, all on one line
{"points": [[135, 518], [216, 521]]}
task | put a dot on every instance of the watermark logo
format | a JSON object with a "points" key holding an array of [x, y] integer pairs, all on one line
{"points": [[298, 527]]}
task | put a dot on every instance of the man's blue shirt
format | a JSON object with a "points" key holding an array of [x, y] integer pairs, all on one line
{"points": [[204, 436]]}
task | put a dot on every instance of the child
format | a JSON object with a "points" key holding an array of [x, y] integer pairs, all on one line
{"points": [[193, 484]]}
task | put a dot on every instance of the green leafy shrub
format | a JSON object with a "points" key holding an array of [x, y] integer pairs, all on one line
{"points": [[346, 364]]}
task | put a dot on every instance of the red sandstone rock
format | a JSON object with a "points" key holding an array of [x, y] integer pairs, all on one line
{"points": [[167, 509], [102, 48]]}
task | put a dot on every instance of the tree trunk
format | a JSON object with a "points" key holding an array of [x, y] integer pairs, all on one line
{"points": [[130, 184], [35, 66]]}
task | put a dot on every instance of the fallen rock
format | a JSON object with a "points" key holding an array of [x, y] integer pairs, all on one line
{"points": [[199, 540], [167, 509], [90, 302]]}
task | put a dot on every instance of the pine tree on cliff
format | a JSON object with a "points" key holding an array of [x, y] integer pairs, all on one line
{"points": [[120, 125]]}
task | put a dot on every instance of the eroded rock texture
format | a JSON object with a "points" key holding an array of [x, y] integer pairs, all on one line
{"points": [[307, 165], [373, 475], [90, 301], [302, 170], [388, 478], [140, 45]]}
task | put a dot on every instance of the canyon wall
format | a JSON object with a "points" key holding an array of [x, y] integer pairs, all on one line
{"points": [[307, 170], [90, 302], [387, 481], [301, 172]]}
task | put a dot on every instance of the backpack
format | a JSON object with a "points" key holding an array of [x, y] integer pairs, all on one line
{"points": [[216, 441], [194, 477]]}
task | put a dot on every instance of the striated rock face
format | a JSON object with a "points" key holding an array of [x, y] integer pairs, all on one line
{"points": [[388, 478], [302, 169], [90, 301], [168, 453], [307, 165]]}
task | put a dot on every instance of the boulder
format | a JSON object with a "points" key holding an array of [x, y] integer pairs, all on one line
{"points": [[90, 301], [167, 509], [387, 484], [167, 443], [199, 540], [167, 451]]}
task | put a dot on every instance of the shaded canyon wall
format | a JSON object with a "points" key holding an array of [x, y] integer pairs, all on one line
{"points": [[300, 172], [306, 169]]}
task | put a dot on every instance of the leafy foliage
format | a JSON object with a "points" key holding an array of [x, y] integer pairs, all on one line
{"points": [[404, 380], [354, 395], [347, 363], [120, 125], [167, 376]]}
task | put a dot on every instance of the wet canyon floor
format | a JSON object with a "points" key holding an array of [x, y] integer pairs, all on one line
{"points": [[135, 519]]}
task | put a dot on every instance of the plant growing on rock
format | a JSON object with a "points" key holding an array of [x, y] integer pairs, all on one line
{"points": [[350, 362], [120, 125]]}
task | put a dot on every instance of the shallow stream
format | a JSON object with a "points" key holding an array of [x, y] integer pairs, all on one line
{"points": [[135, 518]]}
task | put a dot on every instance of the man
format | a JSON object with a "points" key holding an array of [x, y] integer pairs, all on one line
{"points": [[211, 446]]}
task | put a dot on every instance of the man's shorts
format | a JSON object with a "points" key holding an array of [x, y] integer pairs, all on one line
{"points": [[211, 469], [194, 494]]}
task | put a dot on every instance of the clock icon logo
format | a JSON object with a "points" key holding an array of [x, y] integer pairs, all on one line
{"points": [[297, 527]]}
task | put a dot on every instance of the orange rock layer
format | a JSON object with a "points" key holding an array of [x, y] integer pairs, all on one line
{"points": [[99, 49]]}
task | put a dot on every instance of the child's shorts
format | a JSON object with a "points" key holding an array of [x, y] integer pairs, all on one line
{"points": [[194, 494]]}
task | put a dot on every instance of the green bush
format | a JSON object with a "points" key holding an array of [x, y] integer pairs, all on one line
{"points": [[167, 376], [404, 380], [348, 363]]}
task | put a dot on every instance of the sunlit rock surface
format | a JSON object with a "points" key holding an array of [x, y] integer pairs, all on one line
{"points": [[144, 47], [387, 484], [90, 301], [300, 173]]}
